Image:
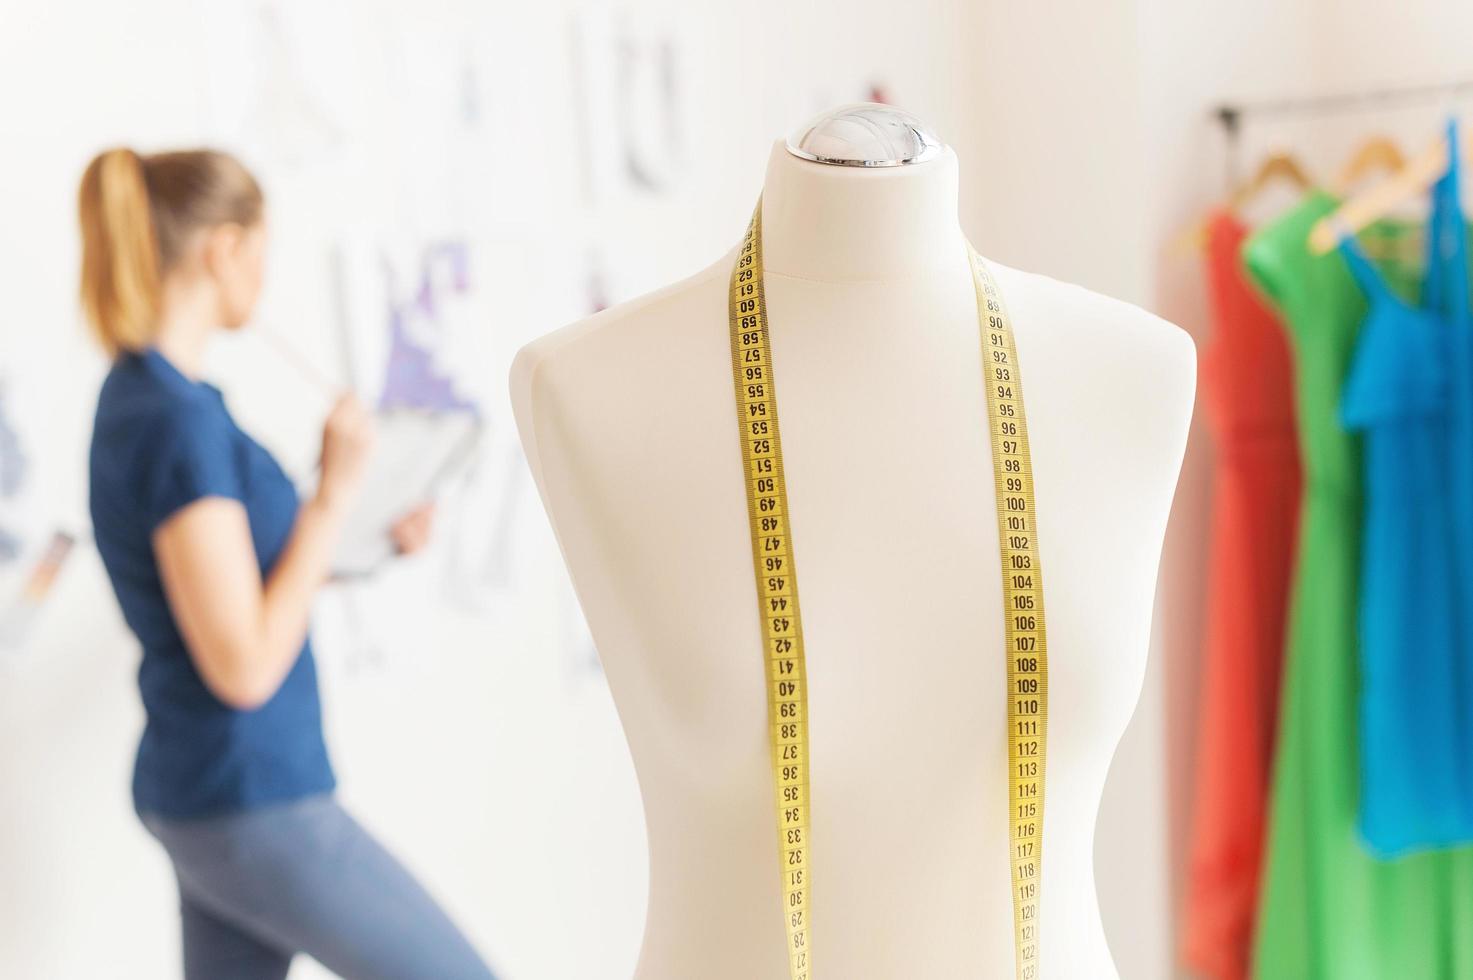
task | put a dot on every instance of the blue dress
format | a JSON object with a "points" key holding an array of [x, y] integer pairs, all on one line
{"points": [[1409, 392]]}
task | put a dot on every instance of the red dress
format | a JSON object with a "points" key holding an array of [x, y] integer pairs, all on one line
{"points": [[1248, 390]]}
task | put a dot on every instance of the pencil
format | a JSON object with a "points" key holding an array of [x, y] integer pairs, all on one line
{"points": [[299, 361]]}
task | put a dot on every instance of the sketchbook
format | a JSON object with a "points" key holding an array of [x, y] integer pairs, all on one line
{"points": [[417, 454]]}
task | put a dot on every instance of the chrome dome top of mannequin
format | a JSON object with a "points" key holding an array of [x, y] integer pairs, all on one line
{"points": [[865, 134]]}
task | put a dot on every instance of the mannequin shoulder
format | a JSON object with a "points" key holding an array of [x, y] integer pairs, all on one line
{"points": [[1105, 334], [577, 378], [576, 353]]}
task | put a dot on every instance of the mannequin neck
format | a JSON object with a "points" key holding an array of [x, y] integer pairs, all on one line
{"points": [[854, 224]]}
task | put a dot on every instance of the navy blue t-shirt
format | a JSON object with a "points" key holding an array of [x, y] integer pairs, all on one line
{"points": [[161, 441]]}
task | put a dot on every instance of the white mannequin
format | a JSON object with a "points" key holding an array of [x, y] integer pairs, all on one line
{"points": [[629, 423]]}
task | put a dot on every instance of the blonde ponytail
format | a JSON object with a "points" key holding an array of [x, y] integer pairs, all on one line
{"points": [[120, 254], [139, 215]]}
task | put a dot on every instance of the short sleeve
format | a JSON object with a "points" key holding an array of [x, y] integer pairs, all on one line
{"points": [[1275, 256], [186, 456], [1263, 267]]}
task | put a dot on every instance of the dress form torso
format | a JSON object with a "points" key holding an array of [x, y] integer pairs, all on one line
{"points": [[629, 423]]}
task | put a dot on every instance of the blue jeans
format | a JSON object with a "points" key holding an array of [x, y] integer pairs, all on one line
{"points": [[258, 887]]}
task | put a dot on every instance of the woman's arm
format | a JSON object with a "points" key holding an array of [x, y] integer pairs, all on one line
{"points": [[242, 633]]}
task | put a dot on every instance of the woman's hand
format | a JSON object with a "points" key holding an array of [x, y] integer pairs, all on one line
{"points": [[412, 531], [347, 443]]}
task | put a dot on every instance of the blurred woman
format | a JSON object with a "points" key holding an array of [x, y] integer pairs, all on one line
{"points": [[215, 564]]}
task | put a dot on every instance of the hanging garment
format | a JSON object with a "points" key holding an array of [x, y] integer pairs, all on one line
{"points": [[1247, 382], [1328, 910], [1409, 370]]}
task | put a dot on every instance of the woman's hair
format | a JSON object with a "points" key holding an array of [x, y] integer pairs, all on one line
{"points": [[138, 215]]}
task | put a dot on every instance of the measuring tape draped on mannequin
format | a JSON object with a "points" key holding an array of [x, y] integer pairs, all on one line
{"points": [[782, 622]]}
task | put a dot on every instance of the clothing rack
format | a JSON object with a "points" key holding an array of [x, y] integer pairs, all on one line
{"points": [[1231, 115]]}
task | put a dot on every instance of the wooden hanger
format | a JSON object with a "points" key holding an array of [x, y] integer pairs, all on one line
{"points": [[1276, 166], [1379, 152], [1414, 178]]}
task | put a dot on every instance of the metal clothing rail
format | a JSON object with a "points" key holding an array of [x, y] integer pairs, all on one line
{"points": [[1231, 115]]}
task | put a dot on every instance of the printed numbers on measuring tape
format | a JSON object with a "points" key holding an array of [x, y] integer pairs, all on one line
{"points": [[782, 623], [777, 587], [1022, 593]]}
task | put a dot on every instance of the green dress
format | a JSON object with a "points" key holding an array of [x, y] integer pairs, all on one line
{"points": [[1328, 910]]}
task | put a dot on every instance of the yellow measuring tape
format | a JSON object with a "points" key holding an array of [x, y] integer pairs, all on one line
{"points": [[777, 586], [782, 623], [1022, 597]]}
